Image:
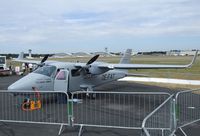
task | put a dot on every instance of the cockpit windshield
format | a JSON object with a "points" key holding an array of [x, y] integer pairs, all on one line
{"points": [[45, 70]]}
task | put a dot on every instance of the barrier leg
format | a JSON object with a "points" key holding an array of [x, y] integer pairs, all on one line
{"points": [[80, 130], [183, 132], [61, 130]]}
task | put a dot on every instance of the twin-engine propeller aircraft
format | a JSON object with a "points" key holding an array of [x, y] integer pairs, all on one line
{"points": [[70, 77]]}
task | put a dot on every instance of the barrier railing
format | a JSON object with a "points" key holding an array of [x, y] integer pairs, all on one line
{"points": [[34, 107], [187, 108], [114, 109], [161, 122]]}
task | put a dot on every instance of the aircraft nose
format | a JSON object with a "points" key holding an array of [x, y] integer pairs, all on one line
{"points": [[21, 84], [26, 83], [16, 86], [12, 87]]}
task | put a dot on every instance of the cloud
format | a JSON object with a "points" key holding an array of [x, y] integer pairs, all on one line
{"points": [[35, 22]]}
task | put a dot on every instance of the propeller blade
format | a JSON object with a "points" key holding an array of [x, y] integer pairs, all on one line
{"points": [[85, 69], [93, 59], [45, 58]]}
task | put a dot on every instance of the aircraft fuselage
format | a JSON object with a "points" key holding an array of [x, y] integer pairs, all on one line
{"points": [[45, 81]]}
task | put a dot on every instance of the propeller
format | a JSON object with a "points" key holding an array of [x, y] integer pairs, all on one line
{"points": [[42, 61], [85, 68], [45, 58], [93, 59]]}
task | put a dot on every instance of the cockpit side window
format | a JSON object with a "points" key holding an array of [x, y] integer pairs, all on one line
{"points": [[75, 72], [46, 70]]}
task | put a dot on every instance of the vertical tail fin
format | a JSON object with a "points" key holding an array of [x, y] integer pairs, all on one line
{"points": [[21, 56], [126, 59]]}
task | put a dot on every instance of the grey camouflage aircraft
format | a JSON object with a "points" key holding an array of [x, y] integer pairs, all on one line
{"points": [[70, 77]]}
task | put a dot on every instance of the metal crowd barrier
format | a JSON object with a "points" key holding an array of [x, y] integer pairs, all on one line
{"points": [[114, 109], [161, 122], [156, 113], [187, 108], [34, 107], [177, 112]]}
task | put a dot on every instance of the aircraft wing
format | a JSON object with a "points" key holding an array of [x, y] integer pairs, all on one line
{"points": [[36, 62], [147, 66], [27, 61]]}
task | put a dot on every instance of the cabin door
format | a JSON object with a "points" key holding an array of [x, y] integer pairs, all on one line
{"points": [[61, 81]]}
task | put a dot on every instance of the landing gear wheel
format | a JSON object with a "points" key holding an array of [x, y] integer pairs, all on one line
{"points": [[91, 96], [90, 93]]}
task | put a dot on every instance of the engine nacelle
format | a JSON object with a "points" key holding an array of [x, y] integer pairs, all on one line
{"points": [[95, 70]]}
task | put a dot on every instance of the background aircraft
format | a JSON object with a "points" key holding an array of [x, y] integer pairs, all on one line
{"points": [[70, 77]]}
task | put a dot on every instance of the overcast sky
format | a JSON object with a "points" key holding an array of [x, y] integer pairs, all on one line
{"points": [[49, 26]]}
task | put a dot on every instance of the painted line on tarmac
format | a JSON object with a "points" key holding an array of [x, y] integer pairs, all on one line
{"points": [[161, 80]]}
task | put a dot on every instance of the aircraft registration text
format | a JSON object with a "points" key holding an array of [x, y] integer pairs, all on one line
{"points": [[108, 76]]}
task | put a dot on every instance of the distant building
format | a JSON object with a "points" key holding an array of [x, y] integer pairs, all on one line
{"points": [[155, 53], [81, 54], [173, 53], [104, 54], [115, 53], [181, 53], [134, 53], [29, 54], [187, 53], [61, 55], [106, 50]]}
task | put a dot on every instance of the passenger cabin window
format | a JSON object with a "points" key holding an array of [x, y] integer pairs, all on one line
{"points": [[61, 75], [75, 72]]}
